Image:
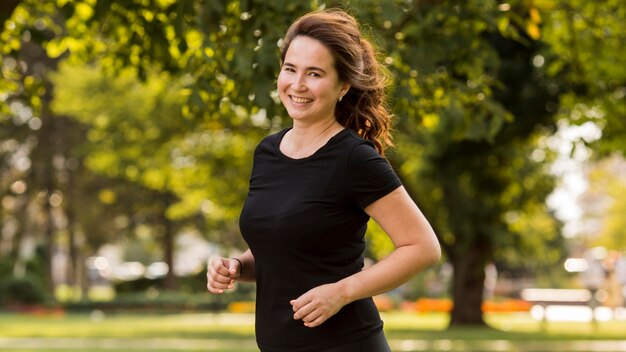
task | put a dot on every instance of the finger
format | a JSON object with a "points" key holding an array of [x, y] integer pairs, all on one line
{"points": [[221, 266], [214, 286], [233, 267], [309, 318], [316, 322], [211, 287], [300, 302], [217, 276], [220, 285], [222, 279], [304, 311]]}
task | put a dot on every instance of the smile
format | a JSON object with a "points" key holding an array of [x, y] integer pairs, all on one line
{"points": [[300, 100]]}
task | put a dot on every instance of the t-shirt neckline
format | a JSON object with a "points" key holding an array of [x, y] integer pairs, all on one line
{"points": [[312, 156]]}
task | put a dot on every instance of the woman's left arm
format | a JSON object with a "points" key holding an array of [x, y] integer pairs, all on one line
{"points": [[416, 247]]}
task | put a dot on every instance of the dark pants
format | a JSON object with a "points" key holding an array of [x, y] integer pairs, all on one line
{"points": [[376, 343]]}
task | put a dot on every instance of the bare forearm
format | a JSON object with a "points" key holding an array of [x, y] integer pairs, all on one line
{"points": [[396, 269], [415, 241]]}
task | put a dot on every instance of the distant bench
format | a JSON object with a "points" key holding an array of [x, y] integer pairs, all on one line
{"points": [[553, 296], [561, 304]]}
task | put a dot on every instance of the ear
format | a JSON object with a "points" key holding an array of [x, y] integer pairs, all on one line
{"points": [[344, 89]]}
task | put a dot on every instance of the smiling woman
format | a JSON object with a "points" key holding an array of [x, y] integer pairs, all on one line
{"points": [[340, 50], [309, 88], [313, 188]]}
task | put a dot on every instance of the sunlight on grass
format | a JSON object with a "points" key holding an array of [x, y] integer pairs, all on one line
{"points": [[523, 323], [424, 321], [236, 326], [509, 326], [175, 325]]}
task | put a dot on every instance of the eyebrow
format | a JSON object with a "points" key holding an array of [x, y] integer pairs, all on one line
{"points": [[310, 68]]}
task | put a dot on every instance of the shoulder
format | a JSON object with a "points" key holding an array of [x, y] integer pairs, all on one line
{"points": [[270, 142], [362, 151], [369, 175], [274, 138]]}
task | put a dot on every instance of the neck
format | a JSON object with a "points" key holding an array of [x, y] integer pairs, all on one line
{"points": [[303, 135], [304, 140]]}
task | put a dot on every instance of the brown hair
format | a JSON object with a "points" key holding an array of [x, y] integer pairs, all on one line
{"points": [[362, 109]]}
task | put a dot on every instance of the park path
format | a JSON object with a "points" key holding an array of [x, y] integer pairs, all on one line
{"points": [[246, 345]]}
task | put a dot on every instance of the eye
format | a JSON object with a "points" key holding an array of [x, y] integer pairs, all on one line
{"points": [[288, 69], [314, 74]]}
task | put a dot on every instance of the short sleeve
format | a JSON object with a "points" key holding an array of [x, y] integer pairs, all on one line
{"points": [[370, 176]]}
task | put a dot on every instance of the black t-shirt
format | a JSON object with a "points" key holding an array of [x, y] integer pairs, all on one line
{"points": [[304, 223]]}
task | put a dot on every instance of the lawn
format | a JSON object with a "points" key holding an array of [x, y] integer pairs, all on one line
{"points": [[235, 332]]}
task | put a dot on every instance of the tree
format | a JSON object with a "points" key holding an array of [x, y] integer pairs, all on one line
{"points": [[27, 96], [473, 107], [48, 194], [131, 140], [586, 41]]}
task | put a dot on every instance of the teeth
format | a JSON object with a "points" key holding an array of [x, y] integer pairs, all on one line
{"points": [[301, 100]]}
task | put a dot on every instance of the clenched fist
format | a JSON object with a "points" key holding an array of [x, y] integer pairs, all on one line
{"points": [[222, 274]]}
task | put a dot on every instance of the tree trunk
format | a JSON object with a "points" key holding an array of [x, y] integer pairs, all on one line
{"points": [[21, 214], [170, 278], [47, 210], [168, 247], [72, 265], [43, 171], [21, 217], [468, 285]]}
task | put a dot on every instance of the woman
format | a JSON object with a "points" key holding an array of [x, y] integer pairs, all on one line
{"points": [[312, 190]]}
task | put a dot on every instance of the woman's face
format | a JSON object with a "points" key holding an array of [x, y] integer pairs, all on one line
{"points": [[308, 84]]}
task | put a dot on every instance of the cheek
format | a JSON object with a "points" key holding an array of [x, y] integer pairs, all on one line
{"points": [[281, 82], [281, 85], [329, 91]]}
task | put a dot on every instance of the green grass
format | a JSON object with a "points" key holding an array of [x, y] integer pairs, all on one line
{"points": [[236, 332], [513, 326], [127, 326], [227, 326]]}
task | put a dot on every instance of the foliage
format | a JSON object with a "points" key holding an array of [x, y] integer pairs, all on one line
{"points": [[187, 284], [145, 140], [605, 205], [16, 291], [153, 302], [21, 282], [586, 49]]}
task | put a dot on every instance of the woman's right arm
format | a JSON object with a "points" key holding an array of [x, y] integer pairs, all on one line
{"points": [[222, 273]]}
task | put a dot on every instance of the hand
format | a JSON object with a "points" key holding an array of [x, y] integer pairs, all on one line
{"points": [[222, 274], [318, 304]]}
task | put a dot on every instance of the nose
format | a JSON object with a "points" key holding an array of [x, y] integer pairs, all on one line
{"points": [[299, 82]]}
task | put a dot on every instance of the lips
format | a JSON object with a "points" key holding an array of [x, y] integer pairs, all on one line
{"points": [[300, 100]]}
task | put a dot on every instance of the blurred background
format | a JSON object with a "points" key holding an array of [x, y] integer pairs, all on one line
{"points": [[127, 130]]}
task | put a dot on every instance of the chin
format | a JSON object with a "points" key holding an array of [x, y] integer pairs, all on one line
{"points": [[297, 114], [296, 117]]}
